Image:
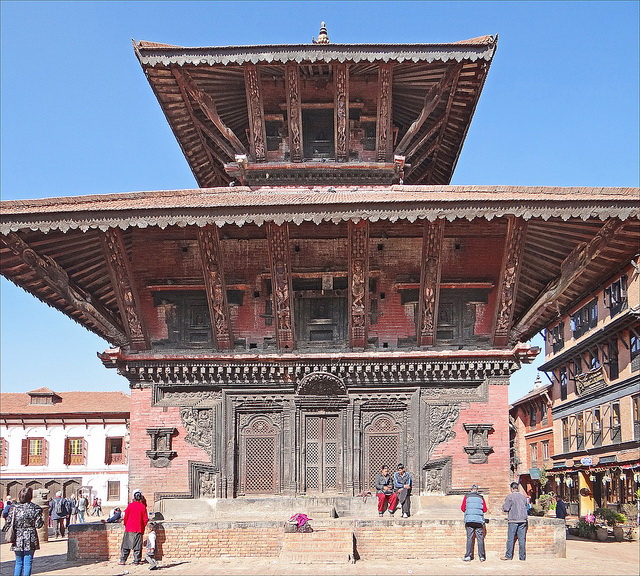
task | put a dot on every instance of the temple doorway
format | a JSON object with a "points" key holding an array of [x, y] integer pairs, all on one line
{"points": [[321, 453]]}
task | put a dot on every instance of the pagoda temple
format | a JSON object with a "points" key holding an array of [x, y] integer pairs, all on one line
{"points": [[325, 302]]}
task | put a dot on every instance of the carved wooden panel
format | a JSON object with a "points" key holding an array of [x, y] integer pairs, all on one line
{"points": [[385, 137], [124, 287], [508, 286], [321, 453], [341, 79], [259, 456], [214, 282], [430, 281], [358, 283], [278, 237], [256, 115], [382, 446], [294, 111]]}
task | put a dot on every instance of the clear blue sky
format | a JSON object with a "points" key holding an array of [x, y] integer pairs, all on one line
{"points": [[560, 107]]}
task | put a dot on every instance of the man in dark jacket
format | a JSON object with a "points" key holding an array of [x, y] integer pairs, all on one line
{"points": [[561, 508], [515, 505], [58, 511], [474, 507], [385, 491]]}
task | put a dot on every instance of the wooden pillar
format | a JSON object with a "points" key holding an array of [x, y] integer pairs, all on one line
{"points": [[341, 107], [384, 134], [358, 283], [209, 242], [282, 293], [294, 111], [256, 113], [430, 282], [124, 287], [509, 274]]}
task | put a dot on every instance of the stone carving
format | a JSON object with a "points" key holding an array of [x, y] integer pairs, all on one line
{"points": [[342, 111], [200, 398], [514, 247], [438, 476], [214, 282], [478, 448], [278, 250], [207, 485], [114, 248], [322, 384], [442, 419], [199, 426], [254, 103], [293, 107], [384, 112], [57, 279], [430, 280], [161, 452]]}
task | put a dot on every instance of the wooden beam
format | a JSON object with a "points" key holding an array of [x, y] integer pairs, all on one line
{"points": [[431, 99], [452, 93], [384, 134], [256, 113], [209, 242], [281, 289], [124, 287], [358, 283], [432, 239], [509, 276], [208, 106], [341, 80], [54, 276], [574, 265], [294, 111]]}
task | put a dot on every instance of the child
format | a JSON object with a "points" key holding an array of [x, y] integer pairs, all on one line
{"points": [[151, 546]]}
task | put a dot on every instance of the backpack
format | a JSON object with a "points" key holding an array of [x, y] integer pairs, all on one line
{"points": [[60, 508]]}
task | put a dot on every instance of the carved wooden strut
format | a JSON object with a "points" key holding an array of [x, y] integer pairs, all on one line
{"points": [[358, 282], [294, 111], [256, 115], [430, 282], [278, 237]]}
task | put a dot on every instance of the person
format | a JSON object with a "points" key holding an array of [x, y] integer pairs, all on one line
{"points": [[135, 521], [474, 507], [7, 509], [26, 518], [83, 503], [150, 550], [515, 505], [116, 516], [72, 518], [58, 511], [99, 506], [385, 492], [94, 505], [402, 483], [561, 508]]}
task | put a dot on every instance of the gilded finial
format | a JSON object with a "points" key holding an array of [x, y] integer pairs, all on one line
{"points": [[323, 37]]}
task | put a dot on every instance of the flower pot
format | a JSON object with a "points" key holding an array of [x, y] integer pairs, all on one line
{"points": [[633, 534], [618, 533], [602, 533]]}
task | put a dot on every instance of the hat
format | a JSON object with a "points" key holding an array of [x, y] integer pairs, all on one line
{"points": [[137, 491], [474, 486], [400, 466]]}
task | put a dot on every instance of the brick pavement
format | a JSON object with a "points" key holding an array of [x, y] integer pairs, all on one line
{"points": [[584, 557]]}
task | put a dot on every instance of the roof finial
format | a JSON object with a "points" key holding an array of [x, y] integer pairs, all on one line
{"points": [[323, 38]]}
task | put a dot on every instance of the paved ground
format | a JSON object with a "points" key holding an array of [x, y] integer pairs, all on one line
{"points": [[584, 557]]}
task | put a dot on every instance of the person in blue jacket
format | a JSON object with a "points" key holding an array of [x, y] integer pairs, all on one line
{"points": [[474, 507]]}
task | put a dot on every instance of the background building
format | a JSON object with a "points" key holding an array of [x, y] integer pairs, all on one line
{"points": [[593, 358], [68, 441]]}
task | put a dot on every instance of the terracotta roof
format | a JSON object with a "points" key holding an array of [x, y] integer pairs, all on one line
{"points": [[42, 391], [532, 394], [71, 403], [241, 205]]}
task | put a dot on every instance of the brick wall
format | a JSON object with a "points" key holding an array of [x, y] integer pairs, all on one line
{"points": [[372, 539]]}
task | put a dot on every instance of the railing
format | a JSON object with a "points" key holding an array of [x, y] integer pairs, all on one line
{"points": [[116, 459]]}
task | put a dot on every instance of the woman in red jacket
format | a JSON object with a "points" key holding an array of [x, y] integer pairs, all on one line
{"points": [[135, 521]]}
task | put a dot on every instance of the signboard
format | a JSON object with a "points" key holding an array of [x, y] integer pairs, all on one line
{"points": [[590, 381], [534, 473], [586, 461]]}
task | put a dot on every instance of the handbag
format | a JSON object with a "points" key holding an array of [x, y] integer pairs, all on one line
{"points": [[9, 532]]}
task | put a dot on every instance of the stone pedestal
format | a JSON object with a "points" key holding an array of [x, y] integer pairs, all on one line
{"points": [[41, 498]]}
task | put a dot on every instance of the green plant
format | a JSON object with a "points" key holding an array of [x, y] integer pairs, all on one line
{"points": [[610, 517], [585, 529], [546, 502], [630, 511]]}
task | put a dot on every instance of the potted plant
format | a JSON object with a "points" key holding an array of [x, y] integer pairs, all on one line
{"points": [[586, 526], [611, 518]]}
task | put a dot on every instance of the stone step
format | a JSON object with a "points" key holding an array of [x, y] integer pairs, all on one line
{"points": [[329, 545]]}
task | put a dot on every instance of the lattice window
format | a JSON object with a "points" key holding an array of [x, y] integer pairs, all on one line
{"points": [[382, 446], [321, 460], [260, 462]]}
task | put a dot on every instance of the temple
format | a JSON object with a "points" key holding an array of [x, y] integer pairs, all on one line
{"points": [[325, 302]]}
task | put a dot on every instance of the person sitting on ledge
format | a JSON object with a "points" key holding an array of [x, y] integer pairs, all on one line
{"points": [[116, 516], [385, 491]]}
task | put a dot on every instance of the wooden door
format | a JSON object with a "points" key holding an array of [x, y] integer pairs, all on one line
{"points": [[321, 453]]}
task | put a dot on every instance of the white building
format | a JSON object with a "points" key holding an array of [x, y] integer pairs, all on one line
{"points": [[68, 441]]}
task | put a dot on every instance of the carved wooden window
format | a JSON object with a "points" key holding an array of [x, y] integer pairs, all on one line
{"points": [[113, 490], [34, 452], [555, 337], [584, 319], [259, 470], [4, 451], [368, 136], [457, 315], [114, 451], [187, 318], [321, 453], [321, 319], [615, 296], [612, 364], [274, 134], [565, 434], [563, 384], [545, 450], [533, 454], [75, 451], [634, 351], [382, 446], [318, 133]]}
